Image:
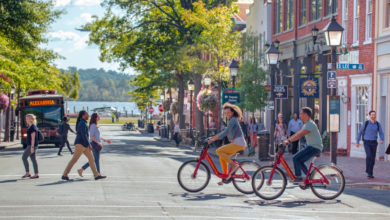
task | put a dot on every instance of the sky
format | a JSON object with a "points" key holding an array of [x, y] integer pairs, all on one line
{"points": [[72, 44]]}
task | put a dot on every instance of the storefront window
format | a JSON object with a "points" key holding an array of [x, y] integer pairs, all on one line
{"points": [[316, 10], [361, 106], [302, 12]]}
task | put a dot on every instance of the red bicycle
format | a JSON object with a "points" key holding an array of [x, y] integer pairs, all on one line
{"points": [[194, 175], [326, 182]]}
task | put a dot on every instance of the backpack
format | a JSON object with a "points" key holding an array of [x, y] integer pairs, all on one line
{"points": [[41, 138], [365, 127]]}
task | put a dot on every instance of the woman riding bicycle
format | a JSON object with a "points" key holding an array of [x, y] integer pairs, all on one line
{"points": [[235, 135]]}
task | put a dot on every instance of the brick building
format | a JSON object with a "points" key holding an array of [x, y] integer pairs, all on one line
{"points": [[302, 60]]}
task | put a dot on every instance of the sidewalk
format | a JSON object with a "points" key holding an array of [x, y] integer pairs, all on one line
{"points": [[353, 168], [14, 144]]}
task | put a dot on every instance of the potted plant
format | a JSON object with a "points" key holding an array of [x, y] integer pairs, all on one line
{"points": [[206, 100]]}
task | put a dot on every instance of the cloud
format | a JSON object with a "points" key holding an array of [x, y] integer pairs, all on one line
{"points": [[86, 2], [87, 17], [78, 42], [60, 3]]}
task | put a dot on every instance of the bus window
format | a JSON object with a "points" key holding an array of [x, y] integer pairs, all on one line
{"points": [[47, 116]]}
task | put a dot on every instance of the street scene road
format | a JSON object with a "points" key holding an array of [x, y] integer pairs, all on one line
{"points": [[142, 184]]}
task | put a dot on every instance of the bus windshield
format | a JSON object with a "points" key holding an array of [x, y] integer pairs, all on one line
{"points": [[47, 116]]}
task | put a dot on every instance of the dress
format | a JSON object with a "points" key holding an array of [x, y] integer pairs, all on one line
{"points": [[281, 133]]}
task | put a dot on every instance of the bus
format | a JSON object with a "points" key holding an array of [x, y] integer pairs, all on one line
{"points": [[48, 107]]}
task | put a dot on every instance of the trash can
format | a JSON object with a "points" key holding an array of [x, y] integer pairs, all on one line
{"points": [[263, 140], [150, 128]]}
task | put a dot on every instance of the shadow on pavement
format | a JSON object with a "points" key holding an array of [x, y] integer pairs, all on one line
{"points": [[203, 197], [9, 181], [60, 182], [289, 204]]}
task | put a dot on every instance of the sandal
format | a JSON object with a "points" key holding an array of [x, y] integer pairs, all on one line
{"points": [[80, 171], [34, 177], [26, 175], [234, 170], [220, 183]]}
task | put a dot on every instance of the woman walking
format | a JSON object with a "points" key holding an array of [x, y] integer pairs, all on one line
{"points": [[253, 135], [95, 142], [32, 146], [280, 133], [82, 146], [176, 135], [234, 133], [63, 132]]}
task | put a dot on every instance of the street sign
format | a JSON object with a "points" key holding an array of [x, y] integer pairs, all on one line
{"points": [[231, 96], [332, 81], [161, 108], [270, 105], [280, 91], [151, 110], [334, 113], [350, 66]]}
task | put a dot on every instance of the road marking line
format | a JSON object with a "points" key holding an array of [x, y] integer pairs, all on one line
{"points": [[197, 207], [130, 216]]}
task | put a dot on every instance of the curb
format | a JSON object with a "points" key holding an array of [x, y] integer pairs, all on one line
{"points": [[13, 145]]}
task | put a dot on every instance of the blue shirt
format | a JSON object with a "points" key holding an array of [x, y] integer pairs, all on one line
{"points": [[82, 136], [232, 131], [94, 131], [252, 128], [371, 133], [295, 125]]}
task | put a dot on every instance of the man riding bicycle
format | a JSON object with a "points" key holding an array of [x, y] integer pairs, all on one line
{"points": [[314, 143]]}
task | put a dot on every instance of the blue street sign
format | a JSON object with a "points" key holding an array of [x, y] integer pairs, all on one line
{"points": [[332, 82], [231, 96], [309, 88], [350, 66], [332, 75]]}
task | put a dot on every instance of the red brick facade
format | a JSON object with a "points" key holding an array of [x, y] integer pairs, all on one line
{"points": [[365, 49]]}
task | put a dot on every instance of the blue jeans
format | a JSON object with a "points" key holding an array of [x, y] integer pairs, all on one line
{"points": [[96, 155], [370, 147], [301, 157]]}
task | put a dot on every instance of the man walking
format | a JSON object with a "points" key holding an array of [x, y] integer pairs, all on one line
{"points": [[63, 132], [294, 126], [369, 132]]}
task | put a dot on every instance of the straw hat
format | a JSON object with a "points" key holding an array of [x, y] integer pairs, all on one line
{"points": [[235, 108]]}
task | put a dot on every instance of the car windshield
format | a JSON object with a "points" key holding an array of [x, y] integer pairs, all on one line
{"points": [[47, 116]]}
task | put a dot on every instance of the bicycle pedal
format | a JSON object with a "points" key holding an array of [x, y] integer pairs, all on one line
{"points": [[227, 181]]}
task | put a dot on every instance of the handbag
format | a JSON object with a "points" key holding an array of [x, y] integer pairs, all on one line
{"points": [[95, 146], [388, 149]]}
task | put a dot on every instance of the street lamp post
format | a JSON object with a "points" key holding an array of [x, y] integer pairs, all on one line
{"points": [[333, 34], [233, 71], [191, 87], [272, 57], [207, 84]]}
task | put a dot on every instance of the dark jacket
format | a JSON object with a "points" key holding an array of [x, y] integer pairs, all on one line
{"points": [[82, 135], [30, 130]]}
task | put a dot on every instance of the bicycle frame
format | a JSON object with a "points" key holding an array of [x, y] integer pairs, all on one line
{"points": [[280, 160], [205, 155]]}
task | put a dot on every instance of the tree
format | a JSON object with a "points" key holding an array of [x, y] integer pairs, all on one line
{"points": [[251, 75]]}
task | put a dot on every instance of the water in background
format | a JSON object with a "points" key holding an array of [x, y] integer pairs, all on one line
{"points": [[76, 106]]}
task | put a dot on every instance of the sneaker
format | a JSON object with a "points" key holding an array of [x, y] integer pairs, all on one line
{"points": [[370, 177], [100, 177], [65, 178], [298, 180]]}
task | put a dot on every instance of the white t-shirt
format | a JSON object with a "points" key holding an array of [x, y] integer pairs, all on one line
{"points": [[176, 129], [240, 141]]}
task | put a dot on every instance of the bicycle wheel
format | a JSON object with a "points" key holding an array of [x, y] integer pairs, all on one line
{"points": [[336, 182], [264, 187], [244, 185], [192, 183]]}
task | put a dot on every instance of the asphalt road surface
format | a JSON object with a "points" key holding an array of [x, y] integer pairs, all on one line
{"points": [[142, 184]]}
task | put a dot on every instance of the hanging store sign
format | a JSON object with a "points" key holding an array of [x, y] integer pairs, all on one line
{"points": [[230, 95], [309, 88], [280, 91]]}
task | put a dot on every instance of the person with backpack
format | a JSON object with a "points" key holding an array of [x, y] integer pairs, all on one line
{"points": [[32, 146], [63, 130], [369, 133]]}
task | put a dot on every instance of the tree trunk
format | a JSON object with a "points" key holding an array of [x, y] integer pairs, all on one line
{"points": [[218, 125], [180, 82], [198, 114]]}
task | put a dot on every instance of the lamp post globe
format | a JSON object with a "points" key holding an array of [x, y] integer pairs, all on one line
{"points": [[233, 67], [272, 55], [333, 33], [191, 85]]}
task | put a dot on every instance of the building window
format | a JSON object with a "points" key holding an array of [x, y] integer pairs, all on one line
{"points": [[356, 9], [368, 20], [361, 106], [316, 9], [388, 13], [290, 14], [279, 16], [302, 12], [345, 21], [331, 7]]}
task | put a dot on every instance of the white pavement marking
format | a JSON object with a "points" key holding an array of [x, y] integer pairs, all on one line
{"points": [[130, 216], [193, 207]]}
